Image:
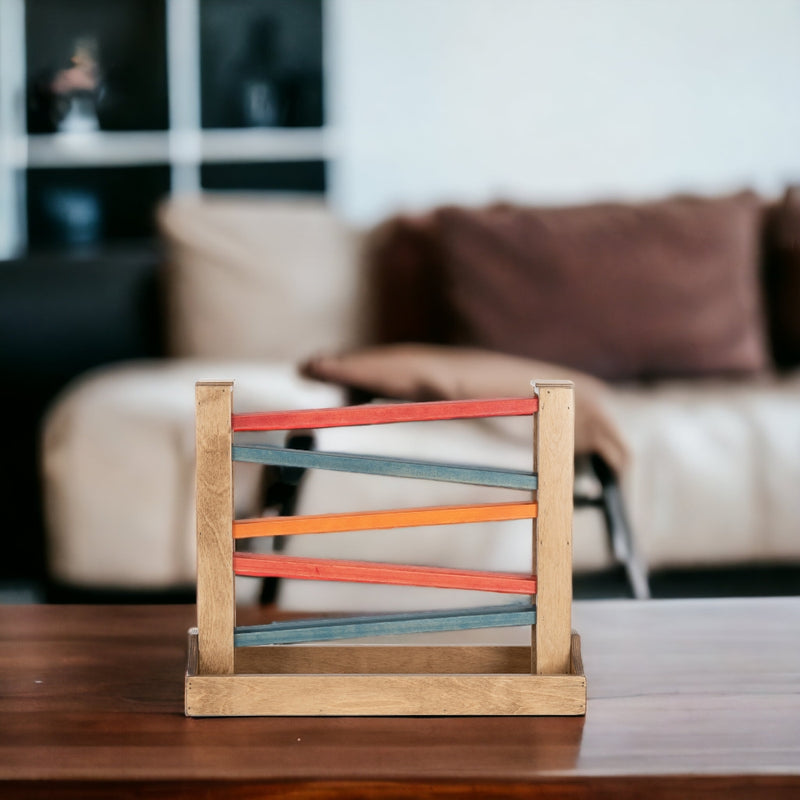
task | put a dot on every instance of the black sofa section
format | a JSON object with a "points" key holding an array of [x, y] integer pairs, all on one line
{"points": [[60, 315]]}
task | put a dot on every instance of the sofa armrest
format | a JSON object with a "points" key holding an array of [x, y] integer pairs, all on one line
{"points": [[714, 470], [118, 467]]}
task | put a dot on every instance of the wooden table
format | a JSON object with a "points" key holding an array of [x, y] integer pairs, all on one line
{"points": [[685, 698]]}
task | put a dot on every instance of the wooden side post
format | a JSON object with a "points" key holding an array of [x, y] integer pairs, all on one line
{"points": [[554, 454], [216, 605]]}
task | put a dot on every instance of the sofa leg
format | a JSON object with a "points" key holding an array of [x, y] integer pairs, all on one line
{"points": [[619, 530], [281, 491]]}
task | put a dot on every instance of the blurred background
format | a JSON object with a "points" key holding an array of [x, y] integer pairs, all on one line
{"points": [[108, 107]]}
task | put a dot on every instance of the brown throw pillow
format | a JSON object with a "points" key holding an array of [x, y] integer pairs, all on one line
{"points": [[437, 372], [619, 291]]}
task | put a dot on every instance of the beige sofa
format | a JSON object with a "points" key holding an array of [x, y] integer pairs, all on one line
{"points": [[253, 286]]}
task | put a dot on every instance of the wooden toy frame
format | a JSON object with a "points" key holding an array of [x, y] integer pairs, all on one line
{"points": [[226, 677]]}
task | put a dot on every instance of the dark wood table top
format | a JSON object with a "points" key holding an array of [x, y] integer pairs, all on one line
{"points": [[686, 698]]}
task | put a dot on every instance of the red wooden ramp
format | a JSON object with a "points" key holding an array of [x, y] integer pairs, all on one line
{"points": [[381, 414], [279, 566]]}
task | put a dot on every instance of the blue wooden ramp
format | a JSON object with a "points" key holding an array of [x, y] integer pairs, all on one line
{"points": [[329, 629]]}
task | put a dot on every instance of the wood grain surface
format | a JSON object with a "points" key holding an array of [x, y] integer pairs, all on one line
{"points": [[323, 693], [385, 695], [554, 462], [686, 699], [216, 610], [370, 659]]}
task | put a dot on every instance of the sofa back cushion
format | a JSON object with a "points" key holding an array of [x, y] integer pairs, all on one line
{"points": [[624, 292], [405, 300], [249, 277], [783, 278]]}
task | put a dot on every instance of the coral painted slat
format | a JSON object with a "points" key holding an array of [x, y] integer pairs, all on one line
{"points": [[379, 414], [279, 566]]}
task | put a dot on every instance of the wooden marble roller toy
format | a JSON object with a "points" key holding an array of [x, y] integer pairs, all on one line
{"points": [[290, 668]]}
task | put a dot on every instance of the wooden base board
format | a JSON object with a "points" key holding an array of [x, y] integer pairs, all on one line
{"points": [[393, 680]]}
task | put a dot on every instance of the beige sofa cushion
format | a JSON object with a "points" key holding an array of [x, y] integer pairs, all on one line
{"points": [[712, 482], [714, 471], [249, 277], [505, 546]]}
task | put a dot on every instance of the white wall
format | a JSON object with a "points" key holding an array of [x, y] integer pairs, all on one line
{"points": [[560, 100], [12, 125]]}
